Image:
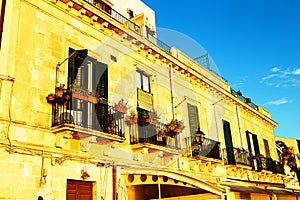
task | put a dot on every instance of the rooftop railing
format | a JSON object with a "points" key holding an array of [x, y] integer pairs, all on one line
{"points": [[131, 25], [244, 99]]}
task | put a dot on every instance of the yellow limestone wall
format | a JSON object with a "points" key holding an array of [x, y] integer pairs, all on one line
{"points": [[37, 36]]}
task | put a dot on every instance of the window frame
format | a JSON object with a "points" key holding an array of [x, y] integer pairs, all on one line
{"points": [[141, 76]]}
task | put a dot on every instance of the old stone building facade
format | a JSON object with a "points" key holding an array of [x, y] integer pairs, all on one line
{"points": [[94, 106]]}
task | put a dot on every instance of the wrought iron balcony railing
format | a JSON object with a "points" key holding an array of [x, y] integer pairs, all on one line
{"points": [[269, 164], [150, 133], [236, 156], [87, 111], [210, 149]]}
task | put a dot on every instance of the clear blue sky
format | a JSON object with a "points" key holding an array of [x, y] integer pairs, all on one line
{"points": [[255, 45]]}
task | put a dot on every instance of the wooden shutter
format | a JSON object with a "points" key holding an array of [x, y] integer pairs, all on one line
{"points": [[249, 142], [228, 142], [267, 149], [256, 145], [102, 73], [74, 63], [193, 118]]}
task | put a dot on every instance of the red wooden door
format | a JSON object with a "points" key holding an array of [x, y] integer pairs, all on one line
{"points": [[79, 190]]}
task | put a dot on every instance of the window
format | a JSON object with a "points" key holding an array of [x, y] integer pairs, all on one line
{"points": [[142, 81], [88, 80], [2, 19]]}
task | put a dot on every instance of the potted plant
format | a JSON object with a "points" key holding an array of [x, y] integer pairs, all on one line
{"points": [[174, 127], [248, 100], [59, 91], [261, 156], [131, 118], [121, 106], [50, 98]]}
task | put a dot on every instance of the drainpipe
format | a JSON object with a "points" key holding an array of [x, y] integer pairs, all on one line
{"points": [[239, 125], [172, 92]]}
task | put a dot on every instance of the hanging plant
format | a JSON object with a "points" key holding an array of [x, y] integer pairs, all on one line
{"points": [[174, 127]]}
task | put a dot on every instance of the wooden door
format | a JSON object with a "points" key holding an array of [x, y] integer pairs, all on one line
{"points": [[79, 190]]}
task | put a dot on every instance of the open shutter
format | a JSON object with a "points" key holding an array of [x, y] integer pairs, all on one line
{"points": [[193, 118], [74, 62], [267, 149], [228, 142], [256, 145]]}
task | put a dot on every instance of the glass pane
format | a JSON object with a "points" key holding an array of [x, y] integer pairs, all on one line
{"points": [[146, 84], [138, 80]]}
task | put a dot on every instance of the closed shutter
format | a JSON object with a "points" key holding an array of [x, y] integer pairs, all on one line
{"points": [[193, 118]]}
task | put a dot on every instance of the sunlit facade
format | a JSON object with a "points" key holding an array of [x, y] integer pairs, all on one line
{"points": [[94, 106]]}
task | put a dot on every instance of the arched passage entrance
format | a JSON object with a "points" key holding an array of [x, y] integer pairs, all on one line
{"points": [[164, 185]]}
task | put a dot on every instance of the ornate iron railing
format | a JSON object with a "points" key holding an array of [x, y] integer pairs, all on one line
{"points": [[270, 165], [210, 149], [116, 15], [236, 156], [152, 133], [87, 111], [131, 25]]}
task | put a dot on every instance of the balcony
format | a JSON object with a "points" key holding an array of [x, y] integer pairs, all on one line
{"points": [[236, 156], [85, 110], [151, 133], [210, 149], [268, 164]]}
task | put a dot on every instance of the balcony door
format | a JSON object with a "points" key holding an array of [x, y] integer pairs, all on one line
{"points": [[88, 80]]}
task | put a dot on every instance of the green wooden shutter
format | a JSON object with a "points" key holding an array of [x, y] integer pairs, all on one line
{"points": [[249, 142], [102, 73], [267, 149], [256, 145], [193, 118], [228, 142], [74, 63]]}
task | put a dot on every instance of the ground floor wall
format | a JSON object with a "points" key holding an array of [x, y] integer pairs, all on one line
{"points": [[28, 176]]}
